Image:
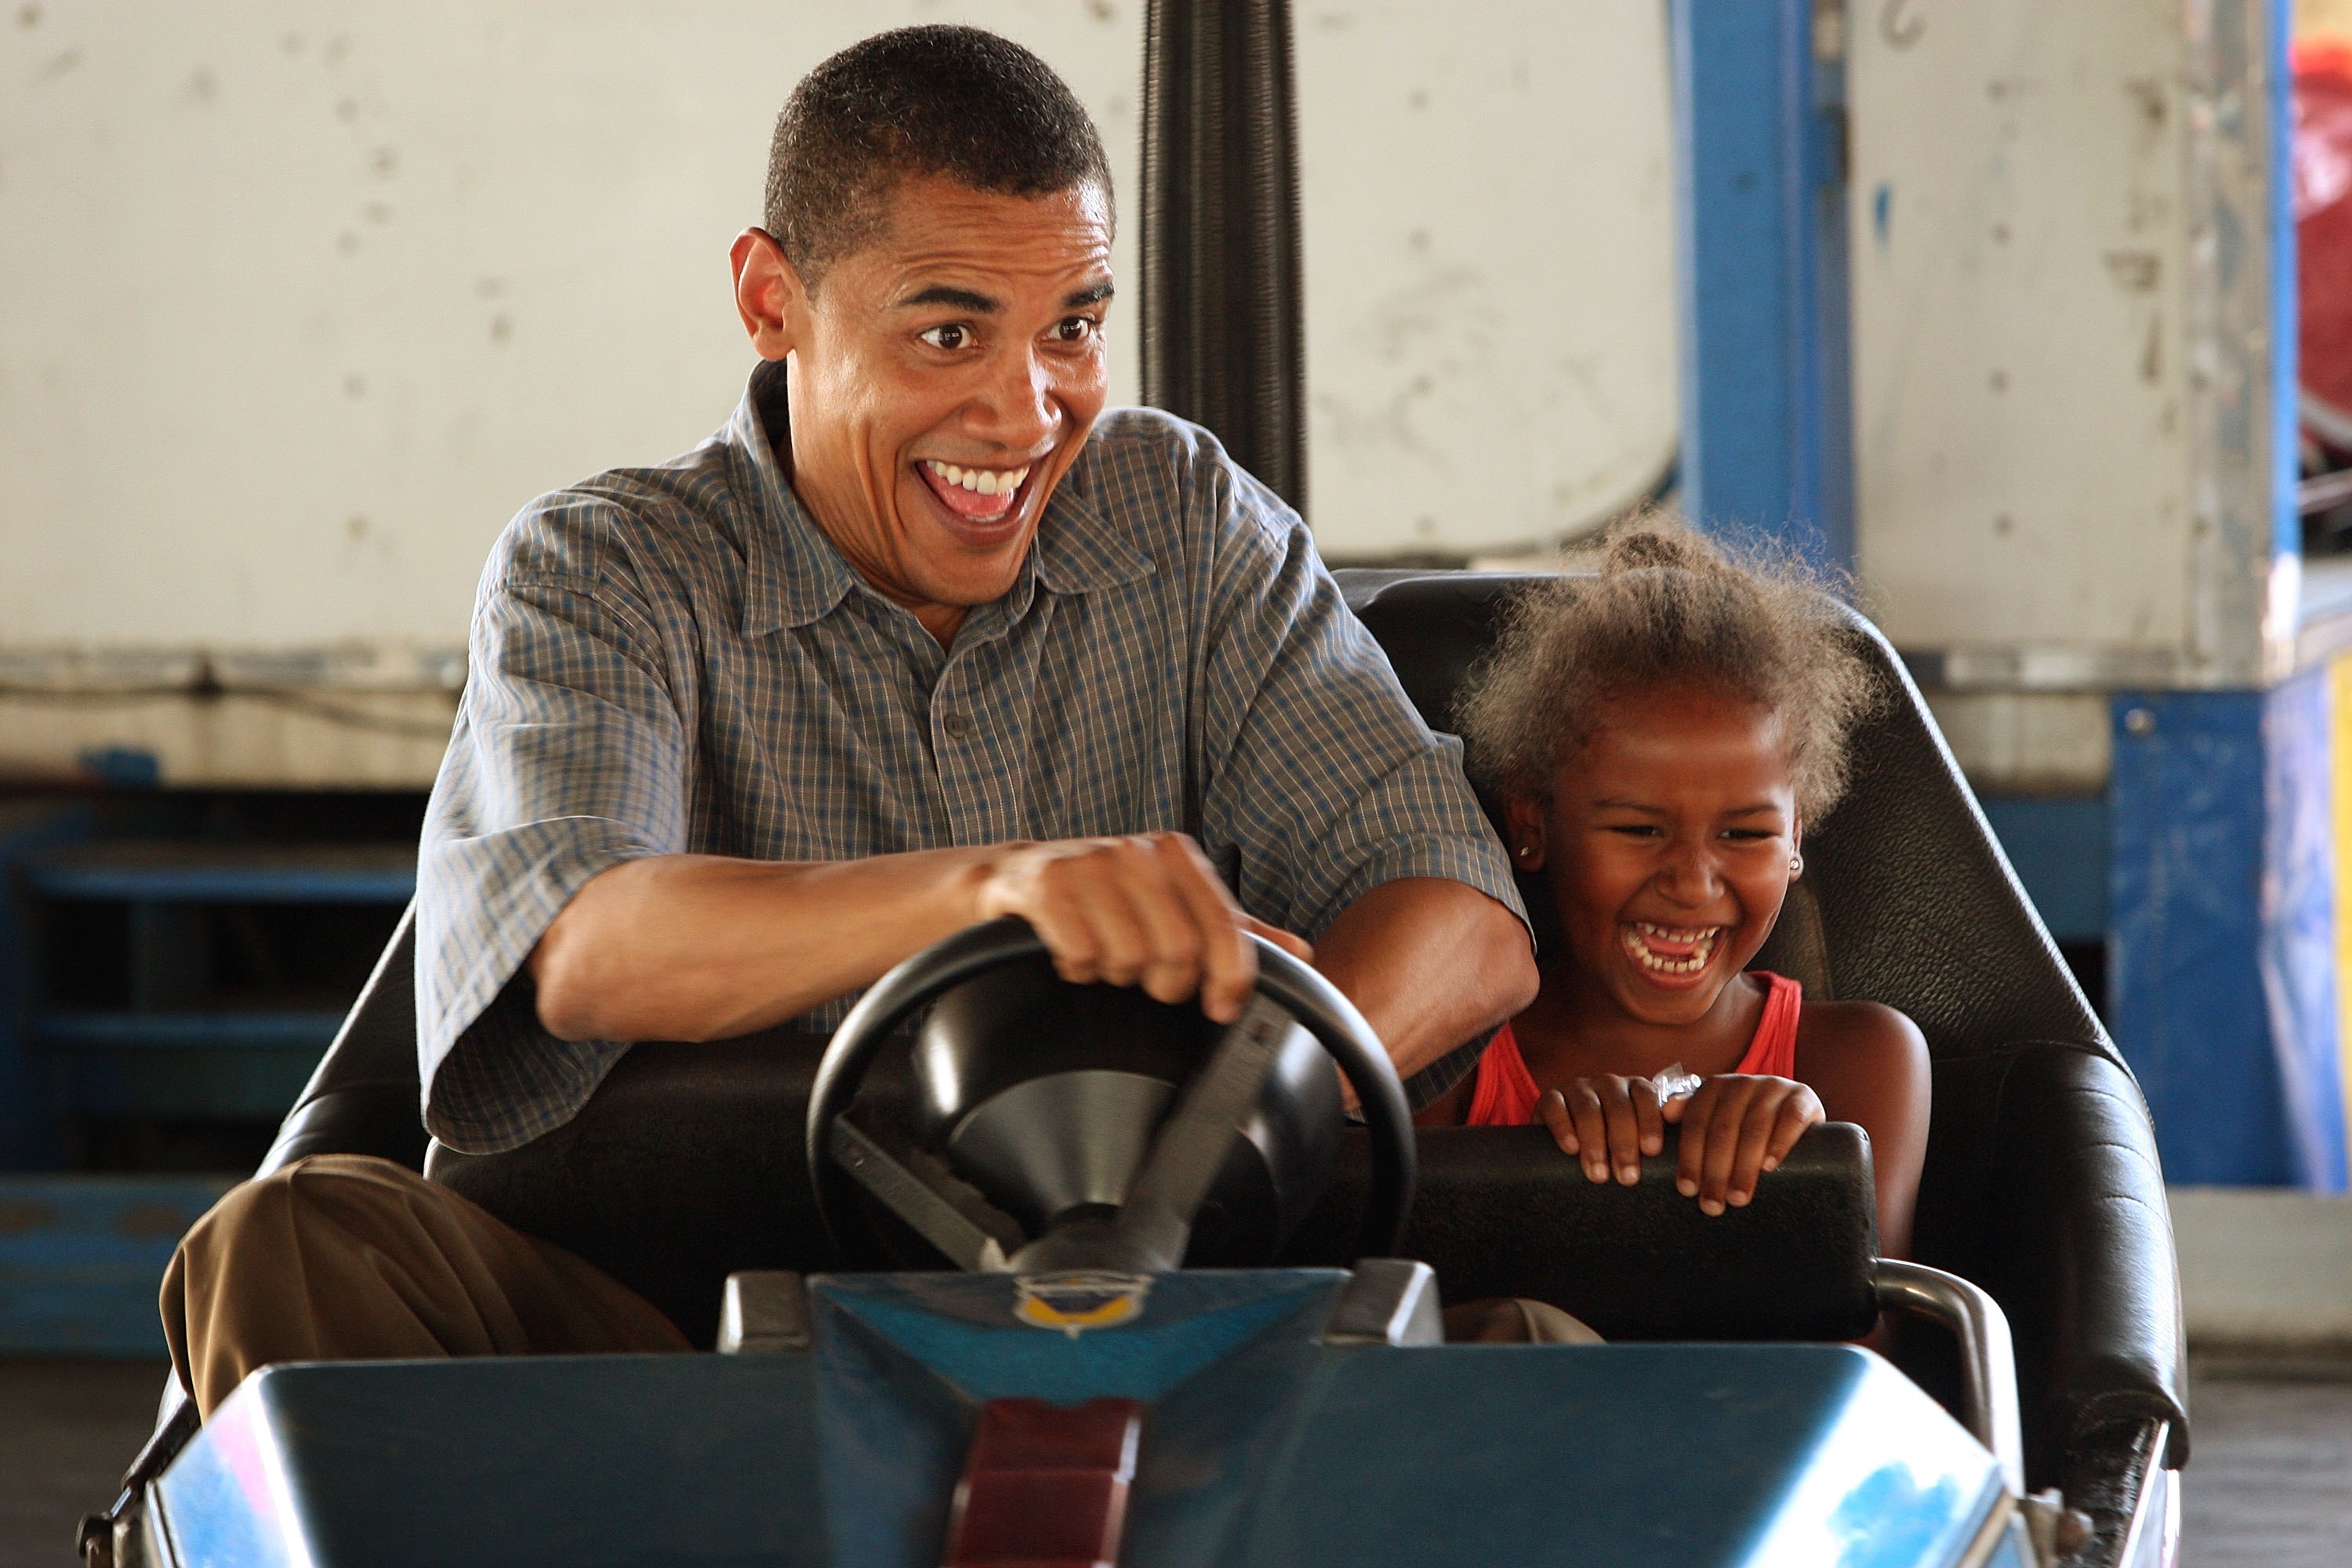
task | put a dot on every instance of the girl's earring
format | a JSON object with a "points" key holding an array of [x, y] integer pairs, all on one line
{"points": [[1796, 865]]}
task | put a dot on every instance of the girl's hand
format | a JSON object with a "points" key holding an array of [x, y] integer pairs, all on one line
{"points": [[1734, 1129], [1608, 1122]]}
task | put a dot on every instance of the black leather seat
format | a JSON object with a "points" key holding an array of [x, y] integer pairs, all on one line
{"points": [[2042, 1181]]}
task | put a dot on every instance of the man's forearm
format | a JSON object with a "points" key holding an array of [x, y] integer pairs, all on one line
{"points": [[698, 947], [1429, 962], [695, 947]]}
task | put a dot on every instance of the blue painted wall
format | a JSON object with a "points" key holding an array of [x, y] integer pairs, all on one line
{"points": [[2185, 855]]}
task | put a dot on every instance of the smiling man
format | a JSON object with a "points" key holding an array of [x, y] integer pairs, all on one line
{"points": [[921, 637]]}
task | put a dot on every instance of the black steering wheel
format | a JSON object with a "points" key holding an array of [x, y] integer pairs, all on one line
{"points": [[1296, 994]]}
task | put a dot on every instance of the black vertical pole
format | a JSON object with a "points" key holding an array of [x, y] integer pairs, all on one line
{"points": [[1224, 339]]}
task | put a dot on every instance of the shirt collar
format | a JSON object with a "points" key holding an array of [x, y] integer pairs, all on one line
{"points": [[795, 576], [792, 573]]}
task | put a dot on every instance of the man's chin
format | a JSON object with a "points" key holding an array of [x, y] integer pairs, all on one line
{"points": [[958, 575]]}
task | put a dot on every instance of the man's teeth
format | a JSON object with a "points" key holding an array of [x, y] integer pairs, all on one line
{"points": [[1699, 938], [984, 481]]}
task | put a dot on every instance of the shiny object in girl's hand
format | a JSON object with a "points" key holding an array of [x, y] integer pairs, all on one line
{"points": [[1673, 1083]]}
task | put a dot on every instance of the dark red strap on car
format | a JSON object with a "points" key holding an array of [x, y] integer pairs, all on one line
{"points": [[1044, 1485]]}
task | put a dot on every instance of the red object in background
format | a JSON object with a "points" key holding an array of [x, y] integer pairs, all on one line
{"points": [[1044, 1486], [2322, 161]]}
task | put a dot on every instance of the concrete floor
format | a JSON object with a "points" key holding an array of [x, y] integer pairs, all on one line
{"points": [[2271, 1482], [2270, 1486], [67, 1430]]}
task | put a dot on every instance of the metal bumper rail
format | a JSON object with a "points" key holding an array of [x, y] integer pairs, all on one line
{"points": [[1988, 1361]]}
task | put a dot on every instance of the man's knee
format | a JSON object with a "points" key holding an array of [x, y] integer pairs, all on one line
{"points": [[339, 1192], [352, 1185]]}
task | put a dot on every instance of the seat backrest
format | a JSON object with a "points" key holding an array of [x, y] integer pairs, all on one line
{"points": [[1907, 898], [362, 1098]]}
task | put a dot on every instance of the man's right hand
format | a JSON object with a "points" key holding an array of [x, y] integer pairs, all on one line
{"points": [[1146, 910]]}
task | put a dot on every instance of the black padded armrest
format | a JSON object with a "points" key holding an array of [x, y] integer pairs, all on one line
{"points": [[1502, 1212], [2086, 1264]]}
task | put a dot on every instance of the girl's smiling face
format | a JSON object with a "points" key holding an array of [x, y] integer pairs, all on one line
{"points": [[1668, 843]]}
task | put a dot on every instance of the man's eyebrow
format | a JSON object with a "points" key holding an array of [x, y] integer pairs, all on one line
{"points": [[1095, 294], [954, 298]]}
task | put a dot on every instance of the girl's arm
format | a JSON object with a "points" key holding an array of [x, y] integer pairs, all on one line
{"points": [[1869, 1065]]}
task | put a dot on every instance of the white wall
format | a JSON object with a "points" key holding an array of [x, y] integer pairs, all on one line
{"points": [[1488, 195], [2061, 324], [300, 301], [2018, 297]]}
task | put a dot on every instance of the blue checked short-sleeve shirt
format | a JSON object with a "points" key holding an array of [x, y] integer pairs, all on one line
{"points": [[675, 659]]}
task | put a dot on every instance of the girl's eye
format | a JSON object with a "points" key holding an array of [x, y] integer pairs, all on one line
{"points": [[953, 336], [1748, 835], [1637, 830]]}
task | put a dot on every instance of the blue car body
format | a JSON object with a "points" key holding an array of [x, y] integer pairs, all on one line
{"points": [[1262, 1442]]}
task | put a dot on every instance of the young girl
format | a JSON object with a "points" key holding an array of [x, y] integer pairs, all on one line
{"points": [[1660, 736]]}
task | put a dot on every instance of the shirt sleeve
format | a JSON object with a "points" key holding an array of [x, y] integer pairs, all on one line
{"points": [[569, 757], [1322, 781]]}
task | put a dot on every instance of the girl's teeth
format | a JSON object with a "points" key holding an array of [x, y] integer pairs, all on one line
{"points": [[1703, 949]]}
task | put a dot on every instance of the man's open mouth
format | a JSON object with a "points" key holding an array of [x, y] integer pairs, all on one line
{"points": [[981, 496], [1669, 950]]}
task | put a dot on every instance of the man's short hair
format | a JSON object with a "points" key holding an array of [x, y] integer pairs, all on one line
{"points": [[940, 100]]}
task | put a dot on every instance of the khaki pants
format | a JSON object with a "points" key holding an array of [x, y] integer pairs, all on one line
{"points": [[347, 1257], [1514, 1320]]}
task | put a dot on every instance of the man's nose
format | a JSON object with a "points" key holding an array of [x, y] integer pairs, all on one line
{"points": [[1017, 405]]}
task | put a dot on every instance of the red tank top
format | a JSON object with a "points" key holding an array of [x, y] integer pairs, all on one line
{"points": [[1505, 1095]]}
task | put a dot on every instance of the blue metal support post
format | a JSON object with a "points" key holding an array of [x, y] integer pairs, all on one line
{"points": [[1760, 200]]}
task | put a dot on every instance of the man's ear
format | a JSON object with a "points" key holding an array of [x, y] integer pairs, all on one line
{"points": [[1523, 836], [769, 294]]}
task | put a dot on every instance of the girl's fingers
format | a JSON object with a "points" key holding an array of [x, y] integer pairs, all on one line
{"points": [[1692, 1112], [1722, 1145], [1552, 1111], [1591, 1128], [1625, 1130], [1648, 1116], [1755, 1137], [1801, 1111]]}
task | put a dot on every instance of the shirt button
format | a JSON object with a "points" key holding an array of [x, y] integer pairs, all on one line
{"points": [[954, 724]]}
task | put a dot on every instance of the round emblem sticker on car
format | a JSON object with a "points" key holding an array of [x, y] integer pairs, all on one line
{"points": [[1077, 1302]]}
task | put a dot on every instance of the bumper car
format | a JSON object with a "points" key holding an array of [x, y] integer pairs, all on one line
{"points": [[1059, 1275]]}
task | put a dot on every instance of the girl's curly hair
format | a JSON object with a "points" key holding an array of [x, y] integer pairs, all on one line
{"points": [[1656, 604]]}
